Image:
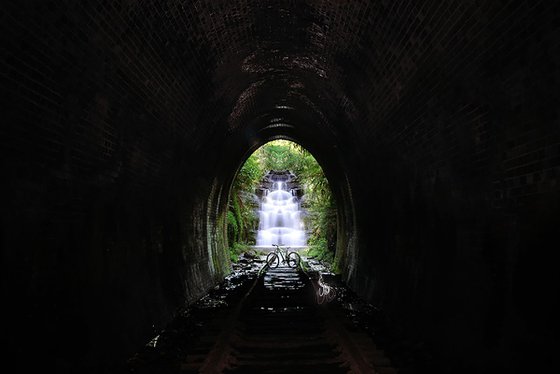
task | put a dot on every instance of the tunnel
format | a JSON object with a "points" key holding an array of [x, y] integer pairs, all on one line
{"points": [[435, 122]]}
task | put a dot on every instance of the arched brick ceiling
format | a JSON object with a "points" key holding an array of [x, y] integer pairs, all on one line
{"points": [[357, 58], [222, 64], [257, 57]]}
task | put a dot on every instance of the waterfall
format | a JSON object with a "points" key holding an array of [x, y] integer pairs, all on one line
{"points": [[280, 215]]}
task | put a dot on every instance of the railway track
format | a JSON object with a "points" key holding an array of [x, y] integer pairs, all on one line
{"points": [[278, 326]]}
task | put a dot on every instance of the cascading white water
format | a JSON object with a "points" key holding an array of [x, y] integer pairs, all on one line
{"points": [[280, 220]]}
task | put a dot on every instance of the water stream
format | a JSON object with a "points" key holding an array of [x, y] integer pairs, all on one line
{"points": [[280, 215]]}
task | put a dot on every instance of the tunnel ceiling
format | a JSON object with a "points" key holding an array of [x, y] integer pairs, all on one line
{"points": [[208, 67], [326, 62], [267, 59], [332, 62]]}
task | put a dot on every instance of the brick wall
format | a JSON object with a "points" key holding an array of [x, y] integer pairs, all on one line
{"points": [[436, 121]]}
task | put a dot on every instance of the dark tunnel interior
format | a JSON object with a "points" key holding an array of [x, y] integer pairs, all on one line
{"points": [[436, 122]]}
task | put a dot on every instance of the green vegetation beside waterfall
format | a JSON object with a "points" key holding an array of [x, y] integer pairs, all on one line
{"points": [[241, 216], [318, 202]]}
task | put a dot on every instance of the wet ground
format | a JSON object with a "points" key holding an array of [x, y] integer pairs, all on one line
{"points": [[282, 320]]}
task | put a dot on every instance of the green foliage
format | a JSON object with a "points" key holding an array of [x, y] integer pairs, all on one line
{"points": [[232, 227], [249, 175], [241, 216], [318, 249], [236, 250], [280, 155]]}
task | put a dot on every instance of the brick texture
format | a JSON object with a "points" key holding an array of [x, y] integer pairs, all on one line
{"points": [[437, 123]]}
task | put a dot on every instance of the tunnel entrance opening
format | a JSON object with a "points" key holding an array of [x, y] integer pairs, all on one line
{"points": [[281, 195]]}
